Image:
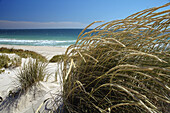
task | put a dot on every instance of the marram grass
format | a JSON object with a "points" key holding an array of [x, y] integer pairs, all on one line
{"points": [[57, 58], [23, 53], [31, 73], [120, 66], [6, 62]]}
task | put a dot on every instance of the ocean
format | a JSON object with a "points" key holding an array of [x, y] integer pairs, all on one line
{"points": [[39, 37]]}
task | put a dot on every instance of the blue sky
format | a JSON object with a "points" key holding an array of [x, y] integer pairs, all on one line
{"points": [[28, 14]]}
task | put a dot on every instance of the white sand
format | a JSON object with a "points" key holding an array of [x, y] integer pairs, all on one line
{"points": [[29, 102]]}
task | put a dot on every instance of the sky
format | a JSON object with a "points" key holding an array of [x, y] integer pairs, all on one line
{"points": [[51, 14]]}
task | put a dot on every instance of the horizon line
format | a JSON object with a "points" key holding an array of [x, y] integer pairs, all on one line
{"points": [[6, 24]]}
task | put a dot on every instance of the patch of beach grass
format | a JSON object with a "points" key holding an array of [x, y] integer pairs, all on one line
{"points": [[120, 66], [27, 79], [16, 62], [31, 73], [6, 62], [23, 53], [57, 58]]}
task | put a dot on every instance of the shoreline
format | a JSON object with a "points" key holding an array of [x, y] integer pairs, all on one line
{"points": [[47, 51]]}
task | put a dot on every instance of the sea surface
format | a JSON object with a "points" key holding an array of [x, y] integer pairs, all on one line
{"points": [[39, 37]]}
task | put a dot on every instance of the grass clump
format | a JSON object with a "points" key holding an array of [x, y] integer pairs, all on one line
{"points": [[6, 62], [120, 66], [16, 62], [31, 73], [23, 53], [57, 58]]}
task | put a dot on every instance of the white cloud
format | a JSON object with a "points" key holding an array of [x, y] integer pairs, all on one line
{"points": [[5, 24]]}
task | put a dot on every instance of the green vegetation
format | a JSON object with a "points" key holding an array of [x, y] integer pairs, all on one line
{"points": [[57, 58], [23, 53], [16, 62], [6, 62], [2, 70], [31, 73], [120, 66]]}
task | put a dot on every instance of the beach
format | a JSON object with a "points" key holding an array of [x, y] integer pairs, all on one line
{"points": [[47, 51], [30, 101], [46, 42], [62, 57]]}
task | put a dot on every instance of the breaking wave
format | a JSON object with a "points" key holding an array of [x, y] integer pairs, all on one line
{"points": [[37, 42]]}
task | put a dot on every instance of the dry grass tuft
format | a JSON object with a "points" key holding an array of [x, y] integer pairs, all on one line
{"points": [[31, 73], [122, 65]]}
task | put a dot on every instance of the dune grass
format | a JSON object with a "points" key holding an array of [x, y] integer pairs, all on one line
{"points": [[57, 58], [23, 53], [120, 66], [6, 62], [31, 73]]}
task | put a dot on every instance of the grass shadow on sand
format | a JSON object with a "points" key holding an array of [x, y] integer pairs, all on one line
{"points": [[11, 101], [28, 77]]}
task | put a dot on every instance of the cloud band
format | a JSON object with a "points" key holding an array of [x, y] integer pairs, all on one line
{"points": [[5, 24]]}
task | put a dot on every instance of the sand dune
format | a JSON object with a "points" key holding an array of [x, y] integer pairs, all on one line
{"points": [[29, 102]]}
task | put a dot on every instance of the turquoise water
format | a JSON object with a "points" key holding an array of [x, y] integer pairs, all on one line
{"points": [[39, 37]]}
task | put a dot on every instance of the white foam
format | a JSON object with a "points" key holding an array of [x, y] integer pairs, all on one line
{"points": [[37, 42]]}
